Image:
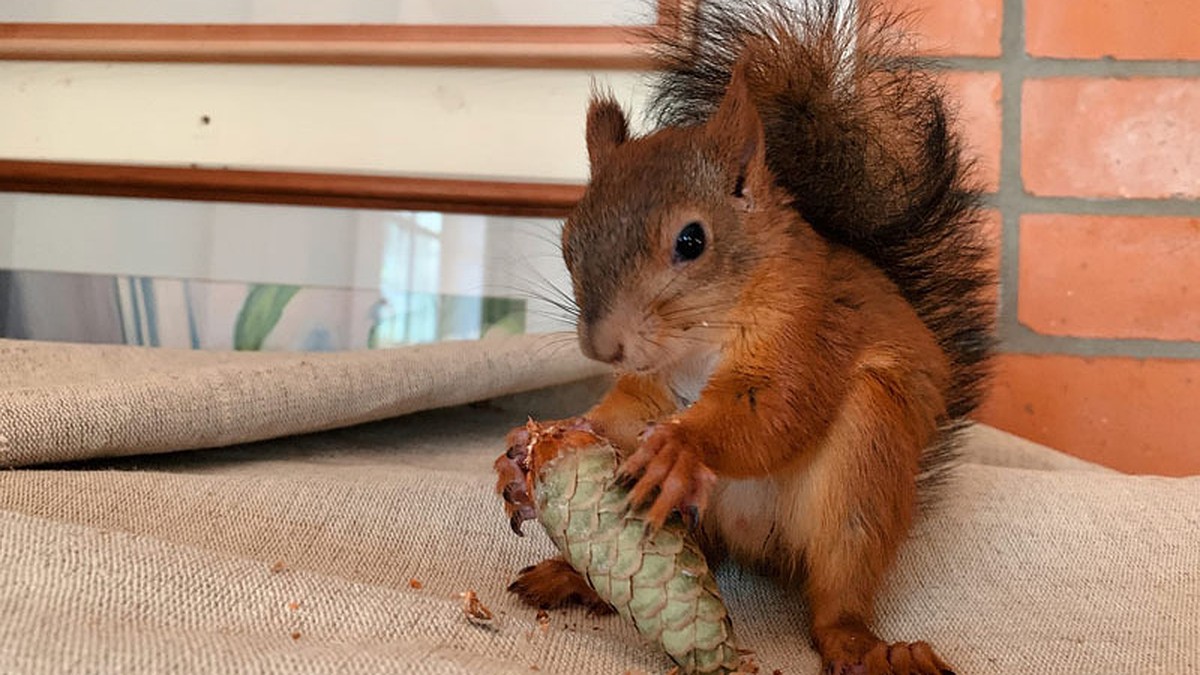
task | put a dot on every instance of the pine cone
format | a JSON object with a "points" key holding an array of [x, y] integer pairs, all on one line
{"points": [[658, 580]]}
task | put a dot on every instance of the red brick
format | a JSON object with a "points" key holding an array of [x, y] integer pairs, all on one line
{"points": [[1115, 277], [1123, 29], [1137, 416], [976, 99], [1111, 138], [954, 27]]}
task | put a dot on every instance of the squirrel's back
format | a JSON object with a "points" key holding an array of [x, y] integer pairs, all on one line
{"points": [[859, 137]]}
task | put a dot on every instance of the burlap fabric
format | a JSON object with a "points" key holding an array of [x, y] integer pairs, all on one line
{"points": [[299, 555], [66, 402]]}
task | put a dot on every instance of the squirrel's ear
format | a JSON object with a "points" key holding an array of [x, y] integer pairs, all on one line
{"points": [[606, 129], [738, 129]]}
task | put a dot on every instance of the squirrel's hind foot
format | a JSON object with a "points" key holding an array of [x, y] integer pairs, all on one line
{"points": [[853, 650], [554, 583]]}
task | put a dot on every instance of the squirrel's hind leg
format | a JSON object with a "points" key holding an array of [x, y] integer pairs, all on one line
{"points": [[849, 513]]}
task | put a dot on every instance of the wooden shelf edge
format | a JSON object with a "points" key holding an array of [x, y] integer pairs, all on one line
{"points": [[599, 47], [529, 199], [466, 54]]}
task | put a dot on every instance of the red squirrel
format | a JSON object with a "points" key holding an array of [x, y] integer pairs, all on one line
{"points": [[790, 277]]}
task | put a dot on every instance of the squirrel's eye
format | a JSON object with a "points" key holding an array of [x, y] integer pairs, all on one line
{"points": [[689, 243]]}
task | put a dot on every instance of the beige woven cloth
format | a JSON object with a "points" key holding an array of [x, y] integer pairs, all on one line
{"points": [[65, 402], [1034, 563]]}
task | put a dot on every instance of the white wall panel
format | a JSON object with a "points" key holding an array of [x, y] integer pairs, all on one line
{"points": [[464, 122]]}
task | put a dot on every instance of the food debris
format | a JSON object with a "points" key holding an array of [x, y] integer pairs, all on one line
{"points": [[278, 567], [296, 635], [293, 605], [414, 583], [777, 672], [534, 666], [747, 665], [543, 619], [475, 611]]}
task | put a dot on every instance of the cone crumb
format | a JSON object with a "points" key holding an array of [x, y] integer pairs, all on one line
{"points": [[416, 584], [475, 611], [278, 567], [748, 666]]}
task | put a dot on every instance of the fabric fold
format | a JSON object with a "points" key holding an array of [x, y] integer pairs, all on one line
{"points": [[64, 402]]}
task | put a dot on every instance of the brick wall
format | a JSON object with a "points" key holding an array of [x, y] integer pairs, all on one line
{"points": [[1086, 115]]}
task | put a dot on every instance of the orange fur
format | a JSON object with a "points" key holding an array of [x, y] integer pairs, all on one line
{"points": [[632, 403]]}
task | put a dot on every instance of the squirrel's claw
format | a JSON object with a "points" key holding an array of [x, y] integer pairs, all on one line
{"points": [[513, 467], [670, 476], [511, 472]]}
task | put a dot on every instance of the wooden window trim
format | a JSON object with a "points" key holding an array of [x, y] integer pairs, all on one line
{"points": [[363, 191], [599, 47]]}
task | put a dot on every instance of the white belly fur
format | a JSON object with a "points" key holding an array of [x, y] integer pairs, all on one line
{"points": [[743, 513], [764, 520], [692, 373]]}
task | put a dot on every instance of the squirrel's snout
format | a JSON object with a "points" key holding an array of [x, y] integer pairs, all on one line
{"points": [[601, 342], [601, 346], [617, 356]]}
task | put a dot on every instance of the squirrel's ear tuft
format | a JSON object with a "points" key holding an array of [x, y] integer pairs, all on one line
{"points": [[737, 128], [607, 128]]}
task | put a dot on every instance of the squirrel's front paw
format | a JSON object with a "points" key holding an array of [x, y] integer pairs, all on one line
{"points": [[666, 461], [511, 468]]}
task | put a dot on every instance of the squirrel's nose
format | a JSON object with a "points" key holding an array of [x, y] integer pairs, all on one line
{"points": [[617, 356], [606, 353], [600, 342]]}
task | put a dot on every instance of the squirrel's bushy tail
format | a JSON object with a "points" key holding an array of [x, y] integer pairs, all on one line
{"points": [[860, 138]]}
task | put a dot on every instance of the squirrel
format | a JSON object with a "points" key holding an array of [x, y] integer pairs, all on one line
{"points": [[790, 278]]}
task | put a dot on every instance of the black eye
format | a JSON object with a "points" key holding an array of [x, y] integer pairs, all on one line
{"points": [[689, 244]]}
